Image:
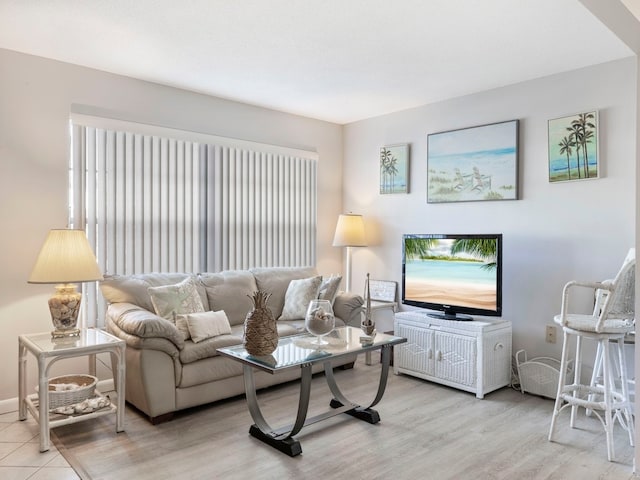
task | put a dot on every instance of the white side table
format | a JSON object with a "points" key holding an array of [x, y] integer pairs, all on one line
{"points": [[48, 351]]}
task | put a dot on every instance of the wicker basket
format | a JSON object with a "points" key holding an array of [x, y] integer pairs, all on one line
{"points": [[60, 398], [539, 375]]}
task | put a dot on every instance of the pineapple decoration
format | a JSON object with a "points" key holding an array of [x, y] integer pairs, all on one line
{"points": [[260, 329], [367, 325]]}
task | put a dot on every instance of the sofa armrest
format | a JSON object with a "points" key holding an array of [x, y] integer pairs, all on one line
{"points": [[349, 306], [140, 343], [138, 326]]}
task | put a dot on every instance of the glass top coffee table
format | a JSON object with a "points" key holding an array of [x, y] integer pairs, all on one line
{"points": [[298, 351]]}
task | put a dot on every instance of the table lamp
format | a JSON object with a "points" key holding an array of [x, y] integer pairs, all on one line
{"points": [[65, 259], [349, 233]]}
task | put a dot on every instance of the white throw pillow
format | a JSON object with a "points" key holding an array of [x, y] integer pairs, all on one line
{"points": [[329, 288], [203, 325], [170, 300], [299, 294]]}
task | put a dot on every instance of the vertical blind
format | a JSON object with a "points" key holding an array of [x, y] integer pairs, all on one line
{"points": [[151, 203], [261, 209]]}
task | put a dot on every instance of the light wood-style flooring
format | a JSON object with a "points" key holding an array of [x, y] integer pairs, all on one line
{"points": [[426, 431]]}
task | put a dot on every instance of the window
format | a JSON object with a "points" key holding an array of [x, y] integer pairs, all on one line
{"points": [[155, 199]]}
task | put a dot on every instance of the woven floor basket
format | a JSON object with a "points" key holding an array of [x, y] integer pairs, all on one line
{"points": [[61, 398]]}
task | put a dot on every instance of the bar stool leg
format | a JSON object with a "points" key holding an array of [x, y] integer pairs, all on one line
{"points": [[576, 380], [562, 380], [595, 376], [608, 401], [626, 410]]}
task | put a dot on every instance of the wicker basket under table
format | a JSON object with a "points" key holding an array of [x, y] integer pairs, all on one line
{"points": [[62, 398]]}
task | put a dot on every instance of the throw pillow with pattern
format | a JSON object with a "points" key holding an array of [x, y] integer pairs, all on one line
{"points": [[170, 300], [299, 294]]}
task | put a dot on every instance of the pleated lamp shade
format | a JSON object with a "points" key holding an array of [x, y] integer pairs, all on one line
{"points": [[65, 259]]}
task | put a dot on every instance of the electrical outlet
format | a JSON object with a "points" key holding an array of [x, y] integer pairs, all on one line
{"points": [[551, 333]]}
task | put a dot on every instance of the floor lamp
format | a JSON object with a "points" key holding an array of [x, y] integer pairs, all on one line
{"points": [[349, 233]]}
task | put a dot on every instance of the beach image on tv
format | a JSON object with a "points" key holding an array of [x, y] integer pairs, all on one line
{"points": [[460, 272]]}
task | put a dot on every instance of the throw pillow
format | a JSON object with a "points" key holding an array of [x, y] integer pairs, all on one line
{"points": [[181, 324], [170, 300], [203, 325], [329, 288], [299, 294]]}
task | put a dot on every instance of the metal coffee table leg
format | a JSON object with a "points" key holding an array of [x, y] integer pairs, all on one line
{"points": [[367, 414], [281, 439]]}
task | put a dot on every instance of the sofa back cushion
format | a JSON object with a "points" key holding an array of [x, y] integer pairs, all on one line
{"points": [[275, 280], [134, 288], [228, 291]]}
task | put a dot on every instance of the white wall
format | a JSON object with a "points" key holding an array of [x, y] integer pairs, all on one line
{"points": [[554, 233], [35, 100]]}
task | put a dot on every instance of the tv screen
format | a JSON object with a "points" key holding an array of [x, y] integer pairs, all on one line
{"points": [[457, 275]]}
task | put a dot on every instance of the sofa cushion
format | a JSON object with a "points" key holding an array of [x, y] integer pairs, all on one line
{"points": [[170, 300], [134, 288], [203, 325], [287, 328], [299, 294], [276, 280], [193, 352], [207, 370], [228, 291], [329, 288]]}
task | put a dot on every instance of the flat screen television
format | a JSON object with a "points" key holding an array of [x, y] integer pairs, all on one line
{"points": [[456, 275]]}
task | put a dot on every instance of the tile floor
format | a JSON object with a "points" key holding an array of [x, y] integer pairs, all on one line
{"points": [[20, 458]]}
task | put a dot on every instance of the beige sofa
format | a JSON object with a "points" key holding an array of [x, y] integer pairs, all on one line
{"points": [[165, 372]]}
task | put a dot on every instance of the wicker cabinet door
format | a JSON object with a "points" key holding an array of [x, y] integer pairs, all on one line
{"points": [[456, 358], [417, 354]]}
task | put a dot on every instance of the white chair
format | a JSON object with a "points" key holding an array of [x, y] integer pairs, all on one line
{"points": [[629, 340], [609, 322]]}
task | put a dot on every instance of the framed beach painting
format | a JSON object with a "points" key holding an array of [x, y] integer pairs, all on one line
{"points": [[394, 169], [473, 164], [573, 147]]}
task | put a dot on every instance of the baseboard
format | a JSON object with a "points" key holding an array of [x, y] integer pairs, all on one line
{"points": [[105, 385], [11, 404]]}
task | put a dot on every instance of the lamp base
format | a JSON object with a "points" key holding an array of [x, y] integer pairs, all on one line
{"points": [[65, 306], [74, 332]]}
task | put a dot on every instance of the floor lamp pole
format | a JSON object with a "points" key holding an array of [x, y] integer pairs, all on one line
{"points": [[348, 285]]}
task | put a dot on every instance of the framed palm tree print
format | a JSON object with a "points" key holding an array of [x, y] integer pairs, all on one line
{"points": [[394, 169], [573, 147]]}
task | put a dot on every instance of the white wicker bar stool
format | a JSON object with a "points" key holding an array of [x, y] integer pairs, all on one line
{"points": [[597, 376], [609, 322]]}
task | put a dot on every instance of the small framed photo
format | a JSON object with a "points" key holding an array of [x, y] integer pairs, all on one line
{"points": [[473, 164], [394, 169], [573, 147]]}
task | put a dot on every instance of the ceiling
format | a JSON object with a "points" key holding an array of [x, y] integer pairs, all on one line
{"points": [[334, 60]]}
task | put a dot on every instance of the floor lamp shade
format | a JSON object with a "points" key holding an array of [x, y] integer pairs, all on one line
{"points": [[65, 259], [349, 233]]}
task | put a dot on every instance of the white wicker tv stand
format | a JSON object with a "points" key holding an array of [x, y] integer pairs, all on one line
{"points": [[472, 356]]}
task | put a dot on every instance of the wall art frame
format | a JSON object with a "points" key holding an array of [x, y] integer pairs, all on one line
{"points": [[473, 164], [573, 147], [394, 169]]}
